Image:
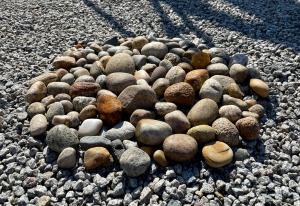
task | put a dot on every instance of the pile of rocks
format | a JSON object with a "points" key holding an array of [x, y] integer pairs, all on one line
{"points": [[132, 99]]}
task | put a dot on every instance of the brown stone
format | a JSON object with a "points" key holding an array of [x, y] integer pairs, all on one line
{"points": [[160, 158], [65, 62], [200, 60], [36, 92], [97, 157], [110, 109], [259, 87], [87, 89], [90, 111], [248, 128], [196, 78], [180, 93]]}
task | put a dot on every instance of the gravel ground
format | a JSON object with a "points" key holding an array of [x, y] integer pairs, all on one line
{"points": [[33, 32]]}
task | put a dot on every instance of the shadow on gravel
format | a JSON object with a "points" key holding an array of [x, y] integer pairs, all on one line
{"points": [[278, 20], [112, 21]]}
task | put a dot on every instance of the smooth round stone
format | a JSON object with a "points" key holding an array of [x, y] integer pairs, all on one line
{"points": [[160, 158], [90, 127], [142, 74], [101, 80], [217, 69], [67, 105], [88, 89], [160, 86], [36, 92], [85, 78], [200, 60], [250, 114], [234, 90], [91, 57], [55, 108], [55, 88], [80, 102], [105, 92], [153, 60], [137, 97], [241, 154], [96, 47], [74, 119], [60, 137], [156, 49], [46, 78], [142, 82], [158, 72], [36, 108], [80, 72], [120, 63], [139, 114], [61, 119], [196, 78], [180, 93], [250, 102], [204, 111], [258, 109], [231, 112], [134, 162], [223, 80], [175, 75], [68, 78], [65, 62], [110, 109], [138, 42], [202, 133], [123, 130], [238, 72], [149, 68], [211, 89], [139, 60], [166, 64], [90, 111], [94, 141], [180, 147], [96, 157], [81, 62], [216, 60], [152, 132], [62, 96], [248, 128], [239, 58], [186, 66], [228, 100], [178, 51], [118, 81], [48, 100], [259, 87], [173, 58], [217, 154], [178, 121], [67, 158], [163, 108], [38, 125], [226, 131]]}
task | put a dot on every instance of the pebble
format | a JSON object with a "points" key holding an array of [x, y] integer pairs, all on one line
{"points": [[88, 89], [211, 89], [46, 78], [139, 114], [55, 88], [67, 158], [123, 131], [248, 128], [55, 108], [204, 111], [36, 108], [139, 42], [202, 133], [65, 62], [231, 112], [257, 109], [259, 87], [228, 100], [90, 127], [196, 78], [38, 125], [241, 154], [159, 158], [180, 147], [158, 72], [81, 101], [142, 74], [90, 111], [163, 108], [226, 131], [120, 62], [116, 82], [218, 69], [36, 92], [96, 157], [110, 109], [60, 137], [175, 75], [137, 97], [152, 132], [200, 60], [61, 119], [87, 142], [178, 121], [139, 60], [238, 72], [160, 86], [217, 154], [134, 162], [156, 49], [74, 119], [180, 93]]}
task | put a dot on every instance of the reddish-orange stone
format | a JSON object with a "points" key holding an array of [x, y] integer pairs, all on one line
{"points": [[110, 109]]}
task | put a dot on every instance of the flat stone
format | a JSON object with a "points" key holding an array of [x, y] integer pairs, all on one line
{"points": [[122, 131], [87, 142], [67, 158]]}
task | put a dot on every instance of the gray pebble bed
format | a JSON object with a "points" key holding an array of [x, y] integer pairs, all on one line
{"points": [[33, 33]]}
